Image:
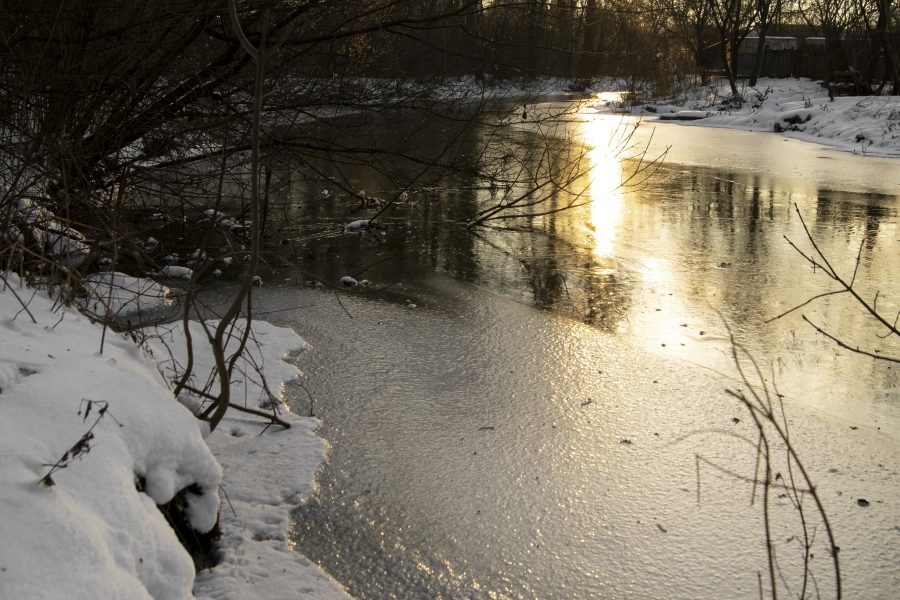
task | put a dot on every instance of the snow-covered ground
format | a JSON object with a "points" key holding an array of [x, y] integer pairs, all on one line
{"points": [[796, 108], [100, 409]]}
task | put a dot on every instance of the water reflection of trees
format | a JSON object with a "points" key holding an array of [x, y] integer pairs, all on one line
{"points": [[719, 232], [541, 257], [848, 209]]}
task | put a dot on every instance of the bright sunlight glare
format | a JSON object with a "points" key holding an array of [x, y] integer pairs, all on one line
{"points": [[602, 136]]}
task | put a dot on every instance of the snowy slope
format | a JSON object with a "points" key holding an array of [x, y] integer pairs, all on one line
{"points": [[92, 533], [796, 108]]}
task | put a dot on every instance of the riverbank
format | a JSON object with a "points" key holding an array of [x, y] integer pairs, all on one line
{"points": [[92, 441], [793, 108]]}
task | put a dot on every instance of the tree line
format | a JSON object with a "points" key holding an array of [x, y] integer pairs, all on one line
{"points": [[81, 81]]}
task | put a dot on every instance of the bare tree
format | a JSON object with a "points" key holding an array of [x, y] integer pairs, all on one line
{"points": [[767, 11], [690, 21], [880, 18], [832, 20], [733, 20], [115, 112], [780, 472]]}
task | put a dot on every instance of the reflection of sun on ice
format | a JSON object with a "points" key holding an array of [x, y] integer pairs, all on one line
{"points": [[655, 270], [601, 135], [608, 97], [606, 205]]}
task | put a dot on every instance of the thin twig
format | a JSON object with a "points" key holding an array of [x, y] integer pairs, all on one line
{"points": [[846, 346]]}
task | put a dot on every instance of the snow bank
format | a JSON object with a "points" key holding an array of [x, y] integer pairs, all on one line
{"points": [[266, 476], [92, 534], [802, 109], [176, 272], [64, 244], [268, 470], [122, 297], [797, 108], [96, 531], [470, 87]]}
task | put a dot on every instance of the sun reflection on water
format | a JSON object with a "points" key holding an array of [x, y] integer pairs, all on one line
{"points": [[609, 97], [612, 222], [604, 136]]}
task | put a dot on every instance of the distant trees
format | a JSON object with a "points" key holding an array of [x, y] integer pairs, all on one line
{"points": [[767, 12], [97, 94], [881, 19], [832, 20], [688, 22], [860, 33], [103, 97], [733, 21]]}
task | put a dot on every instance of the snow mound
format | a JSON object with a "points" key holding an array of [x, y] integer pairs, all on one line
{"points": [[176, 272], [222, 220], [266, 476], [359, 227], [268, 470], [62, 243], [122, 297], [92, 534], [684, 115], [801, 108]]}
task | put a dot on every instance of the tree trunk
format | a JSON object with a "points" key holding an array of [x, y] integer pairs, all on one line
{"points": [[885, 36], [759, 59]]}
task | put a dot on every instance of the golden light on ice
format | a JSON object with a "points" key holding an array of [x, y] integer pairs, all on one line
{"points": [[607, 97], [604, 136]]}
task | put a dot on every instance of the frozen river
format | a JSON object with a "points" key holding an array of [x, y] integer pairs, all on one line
{"points": [[542, 413]]}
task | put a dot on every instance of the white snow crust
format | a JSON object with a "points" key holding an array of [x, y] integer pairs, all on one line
{"points": [[267, 470], [796, 108], [120, 296], [93, 534], [359, 226], [176, 272], [62, 243]]}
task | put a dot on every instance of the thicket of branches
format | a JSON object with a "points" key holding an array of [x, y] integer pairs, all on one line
{"points": [[115, 112], [90, 90]]}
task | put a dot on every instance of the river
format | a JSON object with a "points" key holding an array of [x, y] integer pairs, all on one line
{"points": [[539, 410]]}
